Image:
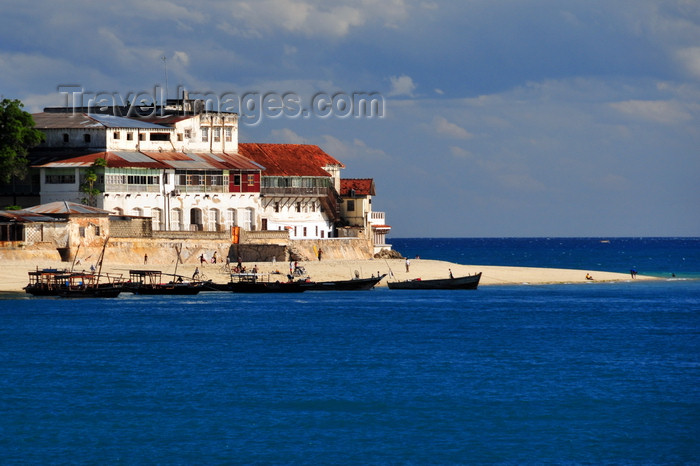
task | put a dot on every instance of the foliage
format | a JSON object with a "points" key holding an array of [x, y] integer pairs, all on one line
{"points": [[12, 207], [88, 186], [17, 136]]}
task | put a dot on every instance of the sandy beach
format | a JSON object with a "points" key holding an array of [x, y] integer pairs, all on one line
{"points": [[13, 274]]}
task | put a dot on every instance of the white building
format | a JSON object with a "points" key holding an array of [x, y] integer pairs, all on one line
{"points": [[187, 173]]}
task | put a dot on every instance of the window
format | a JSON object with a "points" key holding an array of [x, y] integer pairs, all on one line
{"points": [[60, 177], [351, 206], [81, 231], [304, 231], [230, 218], [248, 215], [176, 219], [156, 219], [159, 137], [129, 136], [142, 137], [298, 207], [277, 206], [214, 219], [227, 134], [116, 135], [179, 137], [205, 134], [86, 137], [66, 138], [188, 133], [251, 180], [217, 134], [236, 180]]}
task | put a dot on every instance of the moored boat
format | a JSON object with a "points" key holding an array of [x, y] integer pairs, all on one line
{"points": [[355, 284], [46, 282], [253, 283], [150, 282], [469, 282]]}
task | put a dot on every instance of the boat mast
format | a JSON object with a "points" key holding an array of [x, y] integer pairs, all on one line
{"points": [[75, 257], [102, 255]]}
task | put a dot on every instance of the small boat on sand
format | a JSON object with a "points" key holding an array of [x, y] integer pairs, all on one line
{"points": [[470, 282]]}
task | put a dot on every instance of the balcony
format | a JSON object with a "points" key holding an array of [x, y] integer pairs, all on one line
{"points": [[310, 192], [377, 218]]}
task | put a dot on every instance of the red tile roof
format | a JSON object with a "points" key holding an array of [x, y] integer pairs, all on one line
{"points": [[289, 159], [362, 186]]}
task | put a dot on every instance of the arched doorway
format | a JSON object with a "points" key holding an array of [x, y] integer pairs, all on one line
{"points": [[196, 221]]}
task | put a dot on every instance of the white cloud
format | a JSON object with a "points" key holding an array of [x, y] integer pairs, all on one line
{"points": [[344, 150], [311, 17], [690, 60], [287, 136], [658, 111], [401, 85], [460, 153], [181, 58], [442, 126]]}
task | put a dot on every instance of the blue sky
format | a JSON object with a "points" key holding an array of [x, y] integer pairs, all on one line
{"points": [[502, 117]]}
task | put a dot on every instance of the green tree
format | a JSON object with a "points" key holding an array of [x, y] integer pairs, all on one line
{"points": [[17, 136], [88, 186]]}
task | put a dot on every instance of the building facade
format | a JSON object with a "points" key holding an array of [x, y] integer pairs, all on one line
{"points": [[188, 172]]}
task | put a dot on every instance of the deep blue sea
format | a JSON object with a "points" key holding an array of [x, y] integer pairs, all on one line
{"points": [[598, 373]]}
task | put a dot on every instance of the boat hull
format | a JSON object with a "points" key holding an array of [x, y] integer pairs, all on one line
{"points": [[92, 292], [266, 287], [357, 284], [470, 282], [165, 289]]}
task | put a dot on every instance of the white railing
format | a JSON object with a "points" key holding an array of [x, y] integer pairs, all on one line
{"points": [[377, 218]]}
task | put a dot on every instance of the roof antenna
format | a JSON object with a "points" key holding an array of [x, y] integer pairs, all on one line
{"points": [[165, 66]]}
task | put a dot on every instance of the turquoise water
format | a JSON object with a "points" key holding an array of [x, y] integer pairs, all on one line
{"points": [[580, 374]]}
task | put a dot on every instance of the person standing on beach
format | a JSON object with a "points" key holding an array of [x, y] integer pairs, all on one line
{"points": [[145, 259], [320, 253], [408, 264]]}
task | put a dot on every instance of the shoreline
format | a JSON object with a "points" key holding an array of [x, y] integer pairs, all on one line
{"points": [[14, 274]]}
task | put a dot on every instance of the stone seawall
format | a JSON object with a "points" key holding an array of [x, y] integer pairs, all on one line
{"points": [[154, 251]]}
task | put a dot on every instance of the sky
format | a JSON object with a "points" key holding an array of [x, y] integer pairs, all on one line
{"points": [[493, 118]]}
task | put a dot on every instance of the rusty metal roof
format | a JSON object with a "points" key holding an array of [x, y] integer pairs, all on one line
{"points": [[202, 161], [64, 121], [111, 121], [157, 160], [289, 159], [361, 186], [65, 208], [67, 120], [23, 216]]}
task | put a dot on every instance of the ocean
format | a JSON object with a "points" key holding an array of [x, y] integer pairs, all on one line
{"points": [[597, 373]]}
